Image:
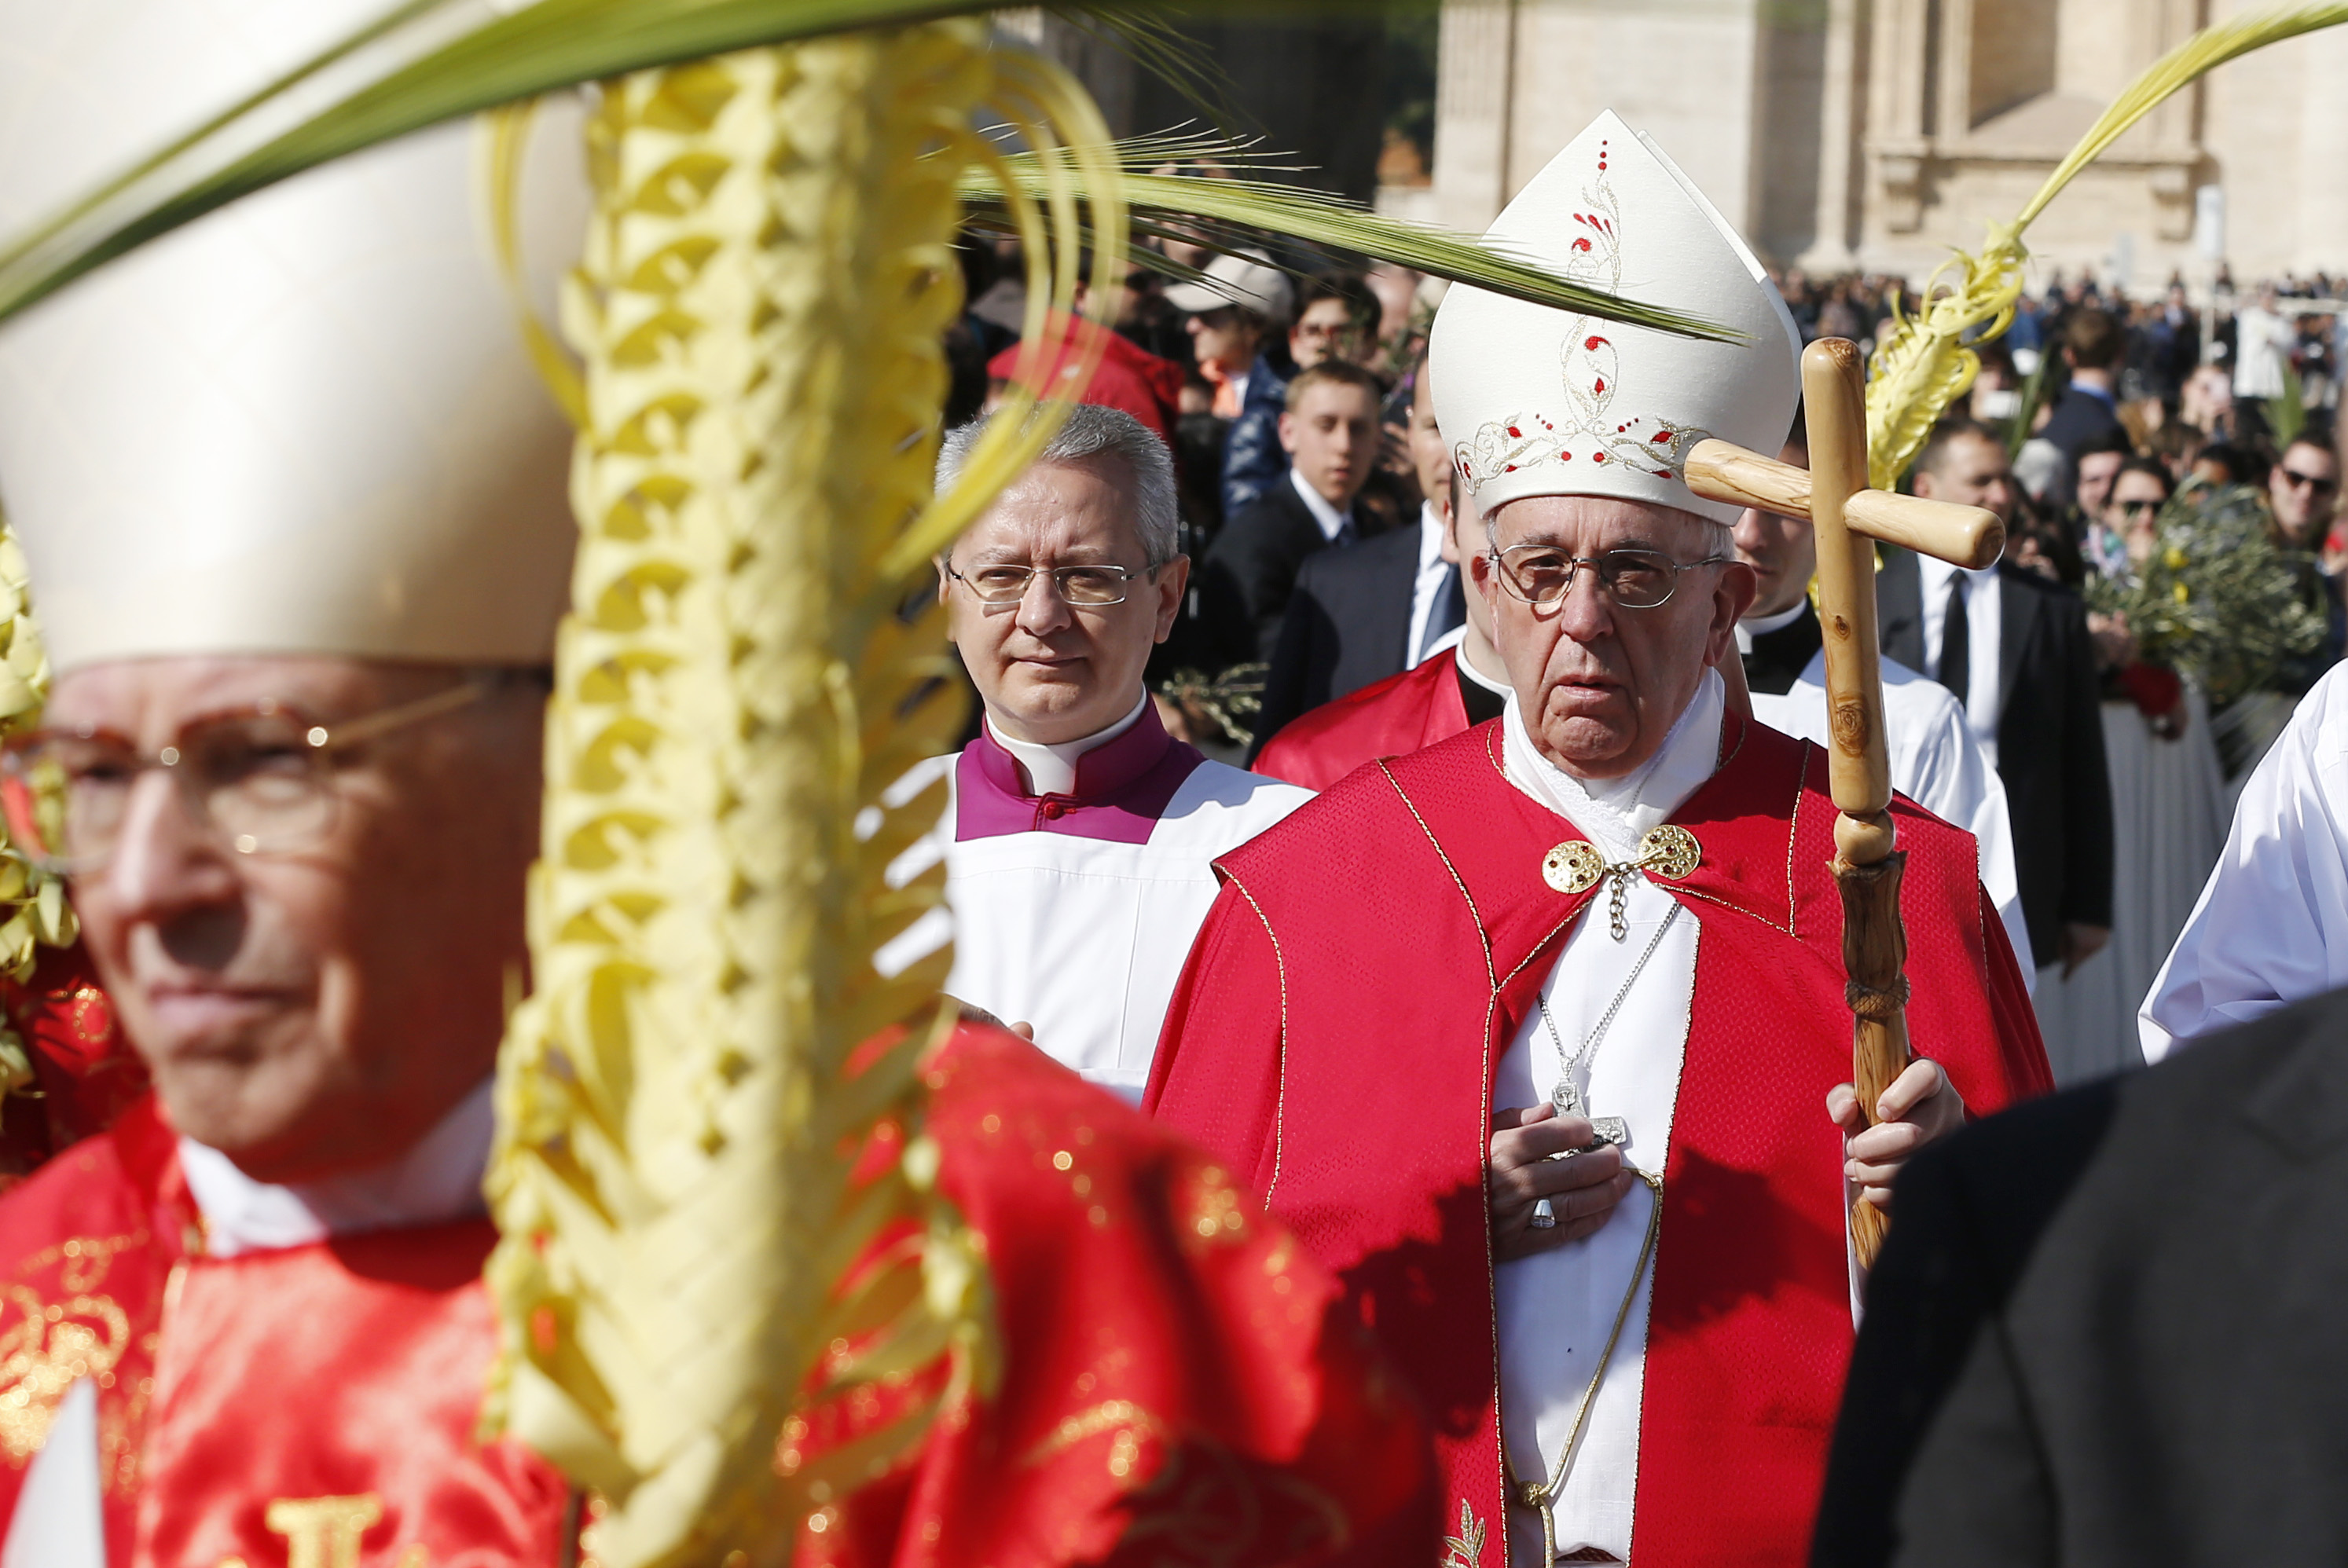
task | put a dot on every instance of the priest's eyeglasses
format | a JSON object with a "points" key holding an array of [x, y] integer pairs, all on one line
{"points": [[1090, 585], [259, 779], [1635, 579]]}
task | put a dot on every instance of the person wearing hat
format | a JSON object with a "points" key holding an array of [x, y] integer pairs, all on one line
{"points": [[293, 504], [1229, 316], [1539, 1036]]}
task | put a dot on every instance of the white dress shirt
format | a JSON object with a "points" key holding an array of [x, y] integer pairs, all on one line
{"points": [[1555, 1308], [1433, 576], [1935, 761], [438, 1180], [2272, 928], [1984, 623], [1333, 521]]}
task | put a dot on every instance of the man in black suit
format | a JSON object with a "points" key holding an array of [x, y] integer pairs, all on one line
{"points": [[1360, 615], [2095, 346], [2013, 648], [2105, 1329], [1331, 432]]}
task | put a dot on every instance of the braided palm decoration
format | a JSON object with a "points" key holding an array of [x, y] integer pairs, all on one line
{"points": [[711, 1108]]}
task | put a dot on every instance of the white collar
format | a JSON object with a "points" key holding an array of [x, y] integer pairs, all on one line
{"points": [[1052, 770], [1430, 538], [1937, 571], [1617, 813], [438, 1180], [1763, 625], [1459, 643], [1331, 519]]}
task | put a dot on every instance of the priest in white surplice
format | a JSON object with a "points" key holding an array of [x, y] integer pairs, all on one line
{"points": [[1534, 1034], [1078, 840], [1935, 760], [2271, 926]]}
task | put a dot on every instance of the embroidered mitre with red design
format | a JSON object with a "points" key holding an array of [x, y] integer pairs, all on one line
{"points": [[1540, 402]]}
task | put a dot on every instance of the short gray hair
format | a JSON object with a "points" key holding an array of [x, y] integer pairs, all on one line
{"points": [[1090, 432]]}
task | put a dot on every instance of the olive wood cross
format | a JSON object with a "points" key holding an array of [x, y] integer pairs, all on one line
{"points": [[1849, 518]]}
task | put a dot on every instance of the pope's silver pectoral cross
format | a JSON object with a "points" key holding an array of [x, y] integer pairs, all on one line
{"points": [[1567, 1098]]}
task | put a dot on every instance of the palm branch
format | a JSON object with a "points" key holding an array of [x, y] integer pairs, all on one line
{"points": [[1928, 360], [403, 72]]}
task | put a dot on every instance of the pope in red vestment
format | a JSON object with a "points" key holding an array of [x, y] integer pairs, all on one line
{"points": [[1174, 1371], [1539, 1036], [1360, 1106]]}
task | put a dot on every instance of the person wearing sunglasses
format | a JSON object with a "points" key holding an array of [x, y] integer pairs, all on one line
{"points": [[1537, 1032], [2304, 489]]}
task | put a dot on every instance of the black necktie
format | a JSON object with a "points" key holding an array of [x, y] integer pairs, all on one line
{"points": [[1956, 644], [1779, 657], [1449, 611]]}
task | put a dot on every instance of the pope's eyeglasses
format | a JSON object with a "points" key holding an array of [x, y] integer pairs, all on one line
{"points": [[259, 780], [1635, 579]]}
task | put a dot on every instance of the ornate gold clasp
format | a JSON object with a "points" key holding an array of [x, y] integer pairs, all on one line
{"points": [[1576, 866]]}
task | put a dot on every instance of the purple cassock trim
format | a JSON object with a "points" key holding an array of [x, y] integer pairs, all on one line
{"points": [[1122, 785]]}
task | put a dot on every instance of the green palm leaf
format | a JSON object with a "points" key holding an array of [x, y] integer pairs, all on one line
{"points": [[1335, 221], [404, 72]]}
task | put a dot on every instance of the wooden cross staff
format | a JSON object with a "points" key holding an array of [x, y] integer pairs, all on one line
{"points": [[1849, 518]]}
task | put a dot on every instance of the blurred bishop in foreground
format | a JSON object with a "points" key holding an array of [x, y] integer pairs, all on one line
{"points": [[1535, 1035], [294, 509]]}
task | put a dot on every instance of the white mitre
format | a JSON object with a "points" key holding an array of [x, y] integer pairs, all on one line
{"points": [[303, 423], [1541, 402]]}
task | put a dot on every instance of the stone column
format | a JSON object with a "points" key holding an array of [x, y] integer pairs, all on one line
{"points": [[1474, 104]]}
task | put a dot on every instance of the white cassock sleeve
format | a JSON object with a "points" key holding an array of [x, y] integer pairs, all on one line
{"points": [[2271, 926], [1946, 773]]}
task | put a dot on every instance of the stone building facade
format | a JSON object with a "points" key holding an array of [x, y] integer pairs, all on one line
{"points": [[1878, 134]]}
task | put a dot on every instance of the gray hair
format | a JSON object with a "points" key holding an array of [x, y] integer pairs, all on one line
{"points": [[1091, 432]]}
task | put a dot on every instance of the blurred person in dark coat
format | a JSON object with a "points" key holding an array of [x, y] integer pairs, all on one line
{"points": [[2104, 1330], [2093, 346], [2013, 647]]}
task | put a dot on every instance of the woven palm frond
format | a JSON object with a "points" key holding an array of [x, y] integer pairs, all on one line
{"points": [[715, 1191]]}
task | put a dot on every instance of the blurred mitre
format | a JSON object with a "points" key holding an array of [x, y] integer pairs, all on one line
{"points": [[305, 424], [1541, 402]]}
